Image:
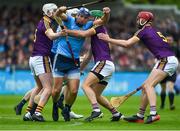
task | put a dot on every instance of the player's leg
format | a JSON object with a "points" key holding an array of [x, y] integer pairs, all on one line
{"points": [[60, 103], [170, 86], [70, 97], [19, 106], [163, 94], [46, 81], [64, 91], [58, 81], [89, 81], [139, 117], [73, 79], [163, 68], [98, 89], [154, 78], [35, 91]]}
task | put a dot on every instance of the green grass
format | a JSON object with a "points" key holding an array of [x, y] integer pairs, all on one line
{"points": [[9, 121]]}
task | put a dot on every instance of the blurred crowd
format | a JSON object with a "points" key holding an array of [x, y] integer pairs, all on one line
{"points": [[17, 26]]}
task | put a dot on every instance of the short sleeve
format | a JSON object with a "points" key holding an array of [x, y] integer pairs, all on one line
{"points": [[139, 34], [67, 22]]}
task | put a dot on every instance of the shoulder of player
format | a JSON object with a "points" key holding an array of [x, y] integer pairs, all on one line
{"points": [[47, 19], [142, 30]]}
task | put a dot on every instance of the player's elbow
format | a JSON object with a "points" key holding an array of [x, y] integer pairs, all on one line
{"points": [[127, 44], [82, 35], [51, 38]]}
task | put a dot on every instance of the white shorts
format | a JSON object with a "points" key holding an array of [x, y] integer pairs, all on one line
{"points": [[103, 70], [40, 65], [168, 65]]}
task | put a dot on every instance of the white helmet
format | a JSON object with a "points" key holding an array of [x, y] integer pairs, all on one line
{"points": [[49, 8], [73, 11]]}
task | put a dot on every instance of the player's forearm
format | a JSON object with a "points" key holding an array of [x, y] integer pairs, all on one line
{"points": [[123, 43], [105, 18], [52, 36], [75, 33], [85, 61], [61, 13]]}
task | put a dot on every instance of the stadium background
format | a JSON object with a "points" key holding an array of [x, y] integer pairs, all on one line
{"points": [[18, 20]]}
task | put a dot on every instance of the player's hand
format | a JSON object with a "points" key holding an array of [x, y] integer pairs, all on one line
{"points": [[63, 33], [106, 10], [103, 36], [62, 9]]}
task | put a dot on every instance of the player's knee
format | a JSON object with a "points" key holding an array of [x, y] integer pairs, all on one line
{"points": [[55, 91], [146, 87], [49, 92], [74, 91], [84, 86]]}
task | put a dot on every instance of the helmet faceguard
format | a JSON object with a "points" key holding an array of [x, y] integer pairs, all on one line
{"points": [[84, 12], [144, 17], [49, 8]]}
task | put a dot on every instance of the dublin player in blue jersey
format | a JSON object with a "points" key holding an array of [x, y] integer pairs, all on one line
{"points": [[67, 55], [166, 64]]}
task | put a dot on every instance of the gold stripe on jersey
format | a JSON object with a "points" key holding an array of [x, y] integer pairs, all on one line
{"points": [[94, 28], [99, 67], [58, 20], [47, 22]]}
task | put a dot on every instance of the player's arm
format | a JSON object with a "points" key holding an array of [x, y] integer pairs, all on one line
{"points": [[124, 43], [61, 12], [52, 36], [105, 18], [86, 60], [80, 33]]}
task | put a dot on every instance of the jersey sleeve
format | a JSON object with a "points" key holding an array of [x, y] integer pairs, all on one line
{"points": [[89, 24], [139, 34], [67, 22], [47, 23]]}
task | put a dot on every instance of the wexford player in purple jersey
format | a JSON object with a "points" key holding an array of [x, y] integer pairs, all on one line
{"points": [[100, 74], [40, 60], [165, 66]]}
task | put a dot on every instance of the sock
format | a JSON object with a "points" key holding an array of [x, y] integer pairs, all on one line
{"points": [[96, 107], [28, 109], [141, 113], [114, 112], [153, 110], [39, 109], [171, 98], [33, 108], [21, 104], [163, 97], [60, 102], [68, 106]]}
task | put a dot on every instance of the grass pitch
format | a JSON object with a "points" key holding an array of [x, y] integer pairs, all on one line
{"points": [[170, 120]]}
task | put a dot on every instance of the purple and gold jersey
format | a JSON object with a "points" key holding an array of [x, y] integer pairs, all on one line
{"points": [[100, 48], [42, 44], [155, 42]]}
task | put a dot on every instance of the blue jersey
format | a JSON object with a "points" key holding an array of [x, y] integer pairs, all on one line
{"points": [[55, 42], [75, 42]]}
